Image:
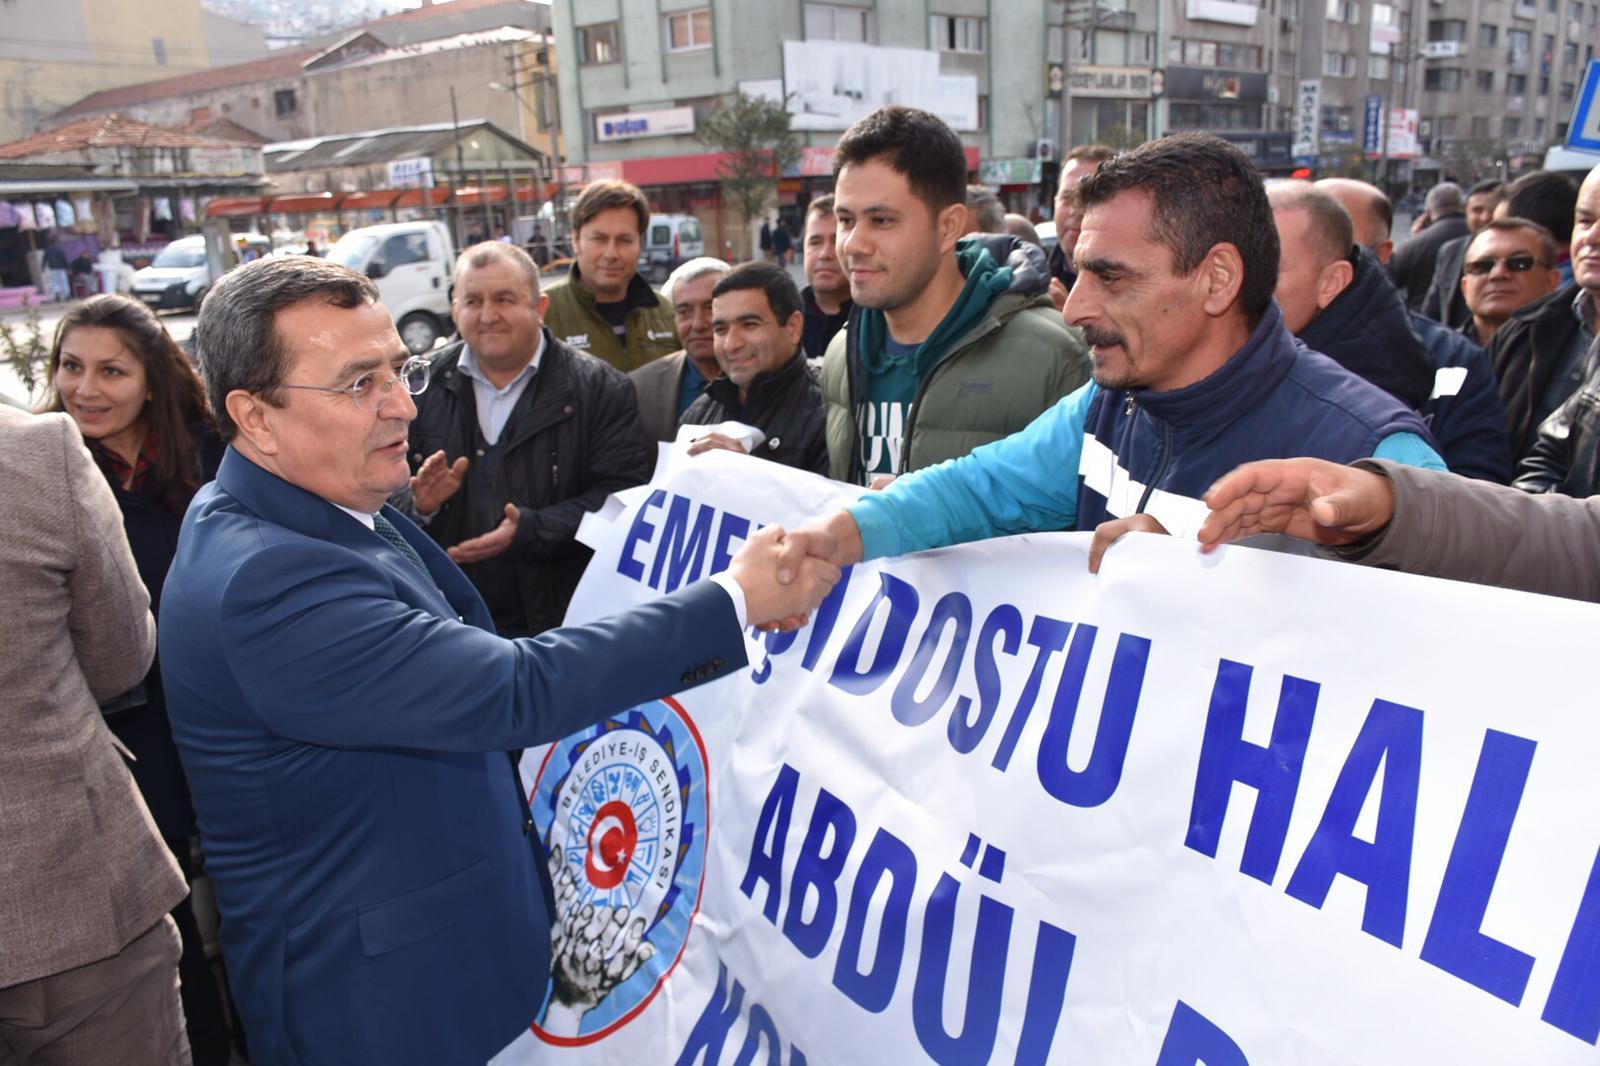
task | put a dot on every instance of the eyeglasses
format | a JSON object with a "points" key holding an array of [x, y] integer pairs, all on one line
{"points": [[369, 391], [1516, 264]]}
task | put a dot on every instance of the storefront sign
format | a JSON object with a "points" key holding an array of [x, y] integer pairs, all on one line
{"points": [[1307, 117], [1200, 83], [410, 173], [637, 124], [1131, 82]]}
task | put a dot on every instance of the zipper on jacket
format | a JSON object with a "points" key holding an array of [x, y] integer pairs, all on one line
{"points": [[1166, 461], [1127, 410]]}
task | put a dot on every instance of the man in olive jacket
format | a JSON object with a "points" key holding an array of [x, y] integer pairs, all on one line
{"points": [[605, 308], [953, 343], [515, 439]]}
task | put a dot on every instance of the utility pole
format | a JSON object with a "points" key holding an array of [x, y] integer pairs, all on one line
{"points": [[461, 165]]}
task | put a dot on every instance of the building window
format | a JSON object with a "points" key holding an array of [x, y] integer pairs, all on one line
{"points": [[1338, 119], [1228, 56], [1338, 64], [1519, 40], [1344, 11], [1538, 129], [284, 103], [1510, 126], [1544, 85], [1574, 12], [689, 31], [1567, 89], [1569, 54], [599, 44], [1447, 29], [832, 22], [1488, 36], [959, 33], [1480, 126], [1445, 126], [1516, 85], [159, 48], [1486, 81], [1378, 68], [983, 111], [1442, 79]]}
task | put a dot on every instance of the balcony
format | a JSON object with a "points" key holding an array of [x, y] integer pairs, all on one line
{"points": [[1525, 11], [1517, 60], [1514, 105]]}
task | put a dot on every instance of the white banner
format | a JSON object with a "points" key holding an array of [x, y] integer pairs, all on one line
{"points": [[1241, 808], [1307, 117]]}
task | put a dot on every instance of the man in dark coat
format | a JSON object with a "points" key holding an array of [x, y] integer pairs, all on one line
{"points": [[1444, 302], [1464, 412], [517, 438], [766, 383], [1413, 265], [1336, 298], [1540, 353]]}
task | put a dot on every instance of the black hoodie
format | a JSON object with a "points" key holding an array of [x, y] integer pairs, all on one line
{"points": [[1366, 330]]}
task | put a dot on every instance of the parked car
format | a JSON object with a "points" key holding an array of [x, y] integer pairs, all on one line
{"points": [[411, 264], [669, 241], [179, 276]]}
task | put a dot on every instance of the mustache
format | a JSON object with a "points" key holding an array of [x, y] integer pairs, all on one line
{"points": [[1096, 337]]}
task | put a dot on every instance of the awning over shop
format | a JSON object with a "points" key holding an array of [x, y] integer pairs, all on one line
{"points": [[43, 186], [234, 207], [303, 204], [379, 200]]}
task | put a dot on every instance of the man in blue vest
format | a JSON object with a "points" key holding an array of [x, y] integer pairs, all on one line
{"points": [[1194, 373]]}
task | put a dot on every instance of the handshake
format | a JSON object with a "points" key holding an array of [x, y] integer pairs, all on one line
{"points": [[786, 575]]}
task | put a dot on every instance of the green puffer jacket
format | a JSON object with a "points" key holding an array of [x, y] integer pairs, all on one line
{"points": [[575, 321], [1008, 368]]}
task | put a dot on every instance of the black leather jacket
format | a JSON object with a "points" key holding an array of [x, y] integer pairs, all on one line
{"points": [[1525, 354], [575, 441], [786, 405], [1566, 454]]}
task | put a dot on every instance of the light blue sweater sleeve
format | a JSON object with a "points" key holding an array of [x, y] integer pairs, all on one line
{"points": [[1411, 450], [1024, 483]]}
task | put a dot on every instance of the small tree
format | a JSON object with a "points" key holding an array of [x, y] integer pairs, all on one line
{"points": [[26, 350], [755, 132]]}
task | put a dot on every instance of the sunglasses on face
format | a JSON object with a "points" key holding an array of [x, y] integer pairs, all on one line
{"points": [[1517, 264]]}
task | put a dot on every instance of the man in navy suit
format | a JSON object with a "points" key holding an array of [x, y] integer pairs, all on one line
{"points": [[344, 709]]}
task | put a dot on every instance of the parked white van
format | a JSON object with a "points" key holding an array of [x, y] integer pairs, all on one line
{"points": [[670, 241], [411, 264]]}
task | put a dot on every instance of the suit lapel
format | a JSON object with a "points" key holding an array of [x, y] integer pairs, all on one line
{"points": [[448, 595]]}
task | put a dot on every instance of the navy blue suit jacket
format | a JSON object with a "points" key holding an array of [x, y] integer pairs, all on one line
{"points": [[344, 726]]}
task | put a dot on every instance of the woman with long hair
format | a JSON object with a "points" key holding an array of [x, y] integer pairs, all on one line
{"points": [[142, 411]]}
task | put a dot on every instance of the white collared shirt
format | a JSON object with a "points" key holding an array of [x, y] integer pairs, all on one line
{"points": [[494, 404], [360, 516]]}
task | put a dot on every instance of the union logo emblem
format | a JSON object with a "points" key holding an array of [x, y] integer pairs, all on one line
{"points": [[623, 811]]}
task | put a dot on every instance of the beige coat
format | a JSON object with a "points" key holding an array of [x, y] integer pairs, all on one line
{"points": [[82, 869], [1465, 530]]}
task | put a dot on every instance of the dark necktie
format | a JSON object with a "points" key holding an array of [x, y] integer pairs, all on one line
{"points": [[385, 529]]}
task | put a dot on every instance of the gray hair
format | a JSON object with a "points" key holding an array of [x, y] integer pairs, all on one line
{"points": [[689, 271], [986, 209], [1444, 199], [236, 338], [485, 253]]}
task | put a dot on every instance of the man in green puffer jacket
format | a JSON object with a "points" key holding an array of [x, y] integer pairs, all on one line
{"points": [[604, 307], [953, 343]]}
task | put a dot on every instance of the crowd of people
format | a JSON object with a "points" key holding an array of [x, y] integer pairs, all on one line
{"points": [[359, 559]]}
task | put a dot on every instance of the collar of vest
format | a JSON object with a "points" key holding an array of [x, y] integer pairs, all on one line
{"points": [[1249, 376]]}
